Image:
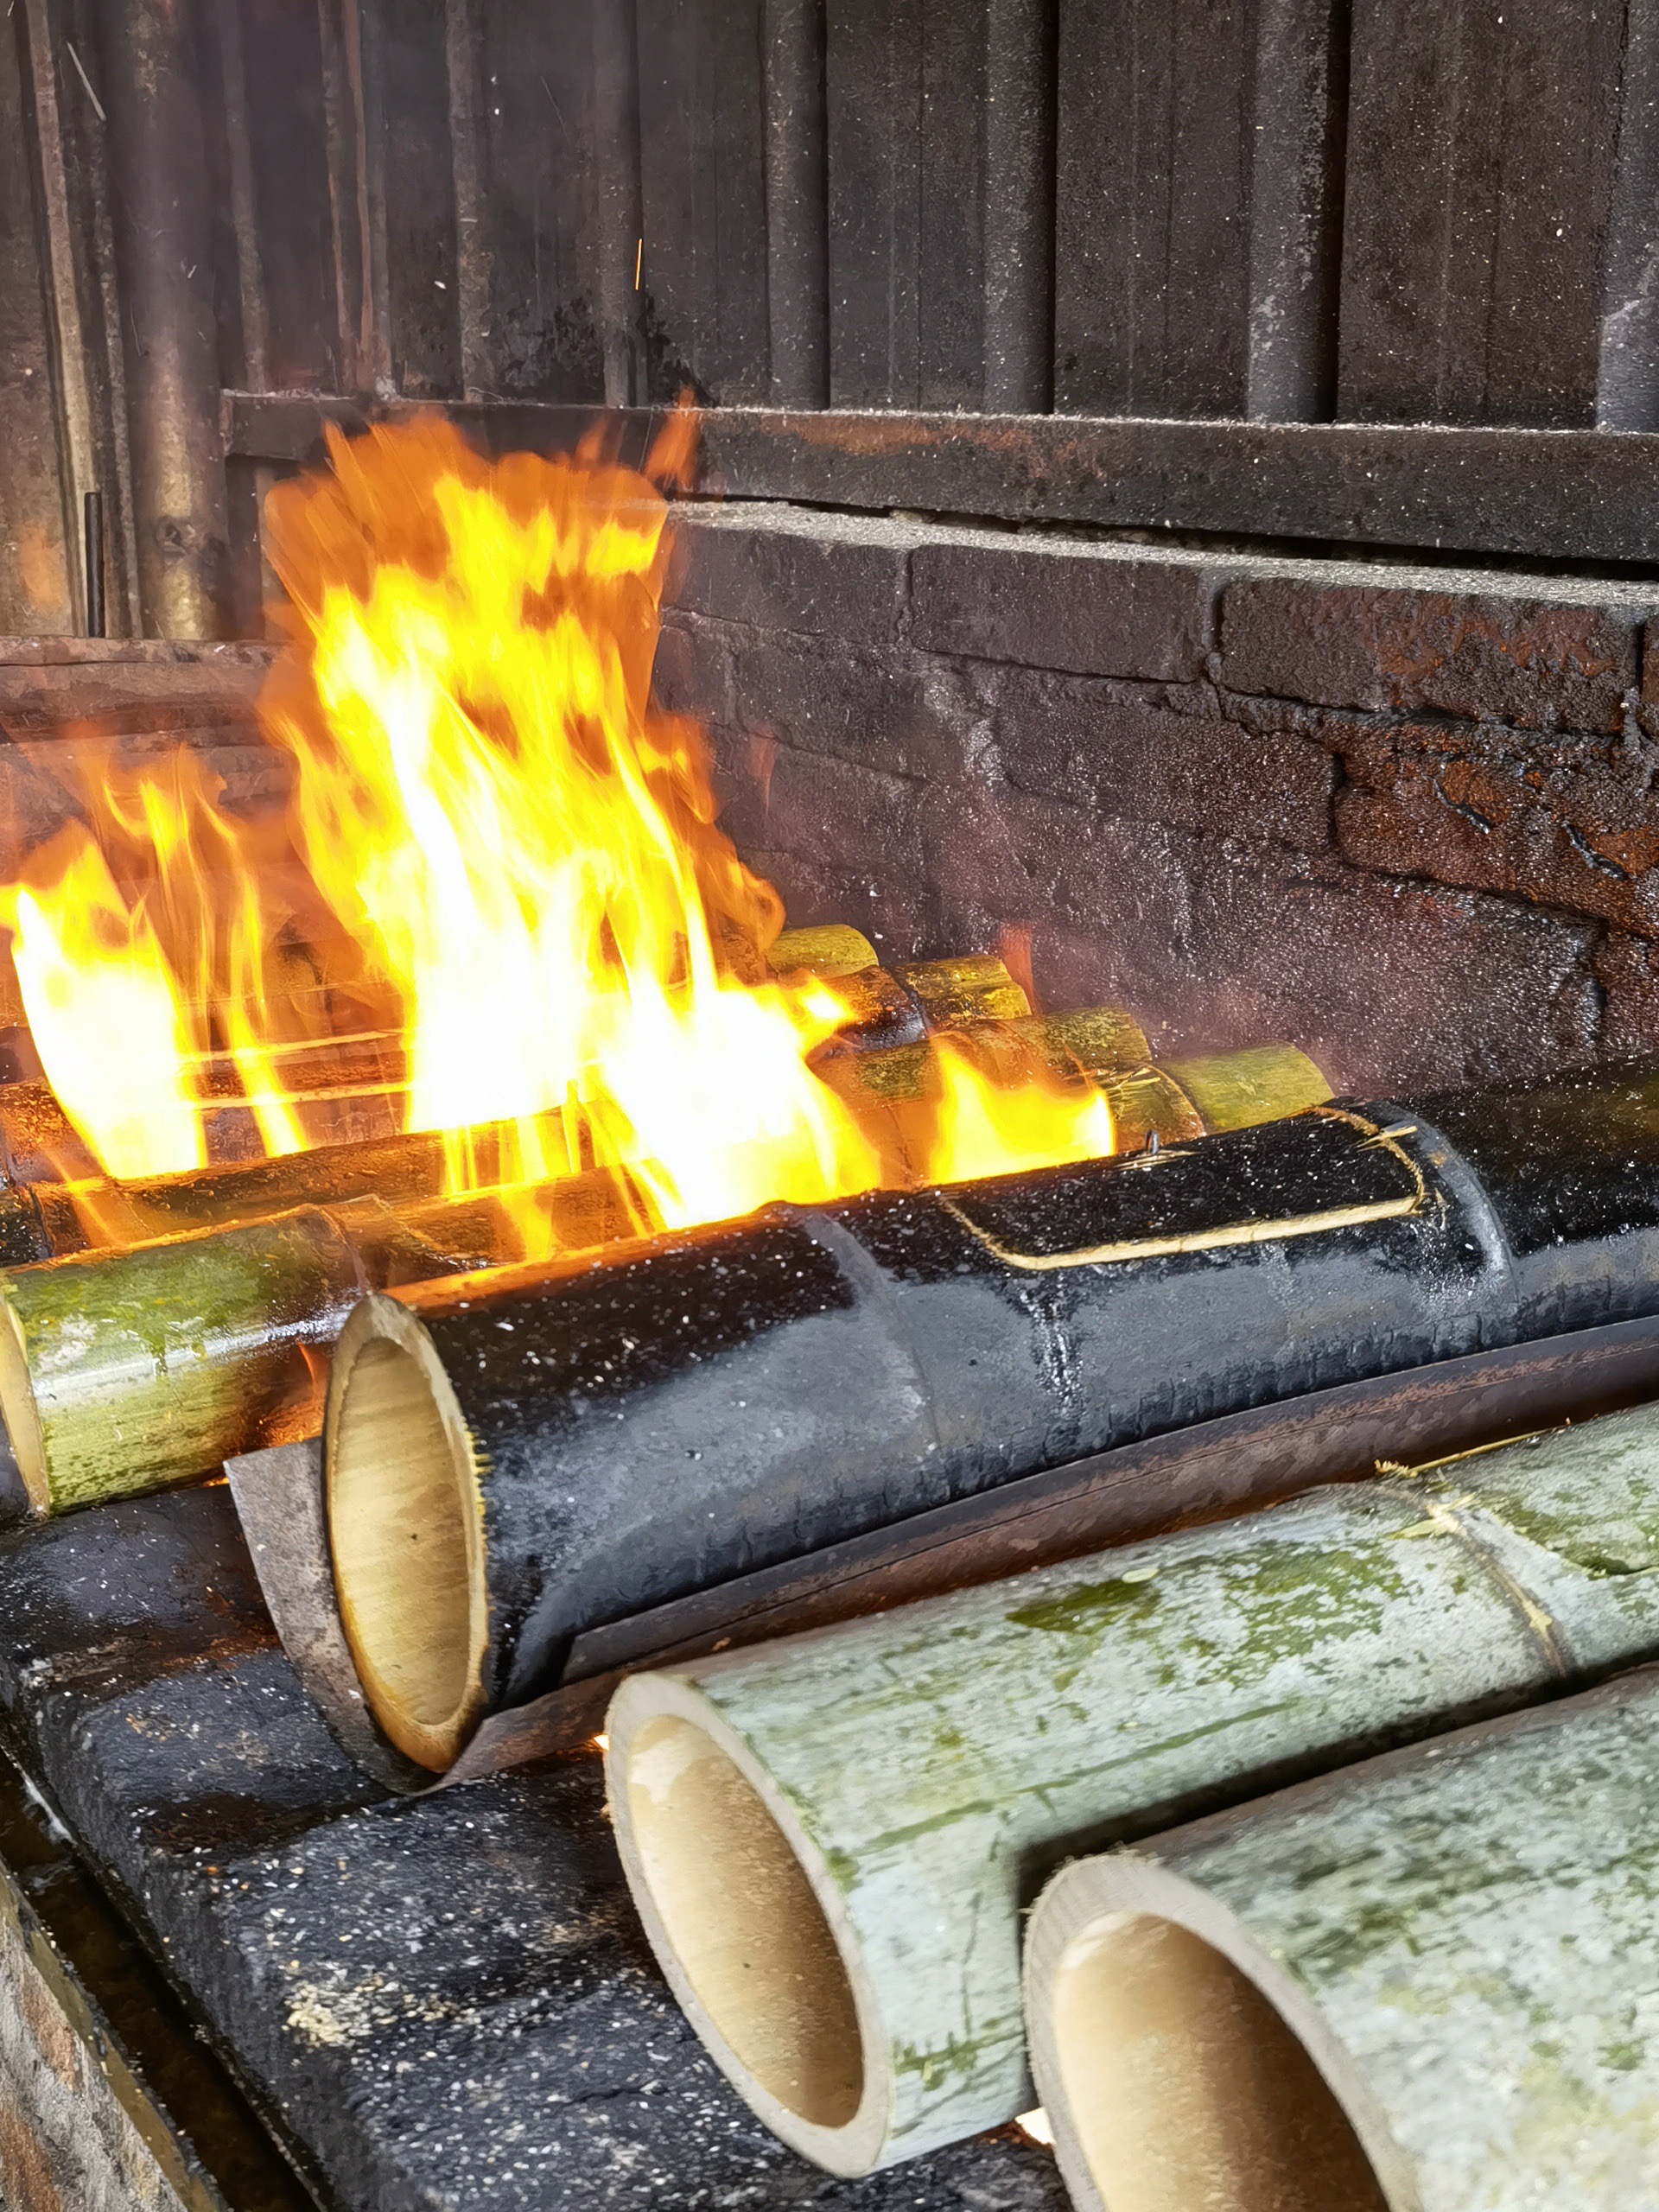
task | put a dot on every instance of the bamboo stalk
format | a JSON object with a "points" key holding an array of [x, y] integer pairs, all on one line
{"points": [[1238, 1090], [716, 1361], [1420, 1985], [130, 1371], [897, 1781]]}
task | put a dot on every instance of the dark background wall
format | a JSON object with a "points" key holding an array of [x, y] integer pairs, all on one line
{"points": [[1184, 212]]}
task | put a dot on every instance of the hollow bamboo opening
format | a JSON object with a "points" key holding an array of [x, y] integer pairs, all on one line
{"points": [[404, 1531], [21, 1412], [1184, 2085], [740, 1915]]}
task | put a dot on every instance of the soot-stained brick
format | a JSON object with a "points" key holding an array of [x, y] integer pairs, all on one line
{"points": [[1094, 747], [1484, 655], [1572, 823], [1628, 971], [786, 570], [891, 712], [1094, 610]]}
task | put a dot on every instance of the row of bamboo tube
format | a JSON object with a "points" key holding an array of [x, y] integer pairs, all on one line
{"points": [[1426, 1980], [206, 1332]]}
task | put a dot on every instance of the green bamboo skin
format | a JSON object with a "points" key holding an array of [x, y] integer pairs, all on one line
{"points": [[1238, 1090], [127, 1372], [928, 1765], [1463, 1938]]}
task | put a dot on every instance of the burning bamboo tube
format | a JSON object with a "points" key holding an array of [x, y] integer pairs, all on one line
{"points": [[1420, 1986], [830, 1841], [610, 1434]]}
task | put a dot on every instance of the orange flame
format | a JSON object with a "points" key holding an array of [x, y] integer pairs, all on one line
{"points": [[499, 875]]}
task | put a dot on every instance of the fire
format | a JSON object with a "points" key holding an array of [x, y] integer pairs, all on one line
{"points": [[499, 875]]}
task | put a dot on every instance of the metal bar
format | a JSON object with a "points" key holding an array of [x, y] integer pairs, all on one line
{"points": [[163, 225], [250, 277], [797, 187], [1580, 495], [93, 553], [1018, 206], [1627, 385], [77, 462]]}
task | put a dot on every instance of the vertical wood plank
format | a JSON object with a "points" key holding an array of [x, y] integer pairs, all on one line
{"points": [[1156, 126], [1296, 190], [1480, 184], [704, 272], [1018, 206], [421, 282], [539, 125], [462, 58], [1627, 383], [797, 202], [905, 84]]}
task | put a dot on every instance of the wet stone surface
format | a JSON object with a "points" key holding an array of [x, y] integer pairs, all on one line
{"points": [[438, 2002]]}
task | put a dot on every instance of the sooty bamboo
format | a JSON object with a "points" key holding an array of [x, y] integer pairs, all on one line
{"points": [[902, 1776], [1420, 1986], [563, 1446]]}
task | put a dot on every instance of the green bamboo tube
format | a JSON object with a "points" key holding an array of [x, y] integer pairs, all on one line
{"points": [[831, 949], [1238, 1090], [830, 1841], [1423, 1985], [127, 1372], [969, 987]]}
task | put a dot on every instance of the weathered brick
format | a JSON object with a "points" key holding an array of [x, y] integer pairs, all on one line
{"points": [[1094, 610], [885, 709], [783, 569], [1486, 656], [1571, 823], [692, 672], [1088, 744], [1627, 969]]}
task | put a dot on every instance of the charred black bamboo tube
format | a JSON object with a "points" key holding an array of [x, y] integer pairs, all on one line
{"points": [[511, 1461]]}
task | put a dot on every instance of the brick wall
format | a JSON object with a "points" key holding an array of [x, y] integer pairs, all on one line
{"points": [[1403, 816]]}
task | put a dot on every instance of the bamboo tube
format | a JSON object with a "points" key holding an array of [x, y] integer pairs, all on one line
{"points": [[135, 1370], [1236, 1091], [969, 987], [1421, 1985], [637, 1426], [886, 1787], [831, 949]]}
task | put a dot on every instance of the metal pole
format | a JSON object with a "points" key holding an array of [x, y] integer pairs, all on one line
{"points": [[163, 234], [93, 546]]}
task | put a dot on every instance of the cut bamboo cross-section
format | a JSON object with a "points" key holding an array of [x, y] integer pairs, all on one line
{"points": [[1424, 1984], [901, 1781]]}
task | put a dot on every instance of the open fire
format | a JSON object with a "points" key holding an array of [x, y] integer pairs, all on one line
{"points": [[497, 897]]}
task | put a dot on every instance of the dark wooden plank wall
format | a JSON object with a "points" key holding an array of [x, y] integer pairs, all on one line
{"points": [[1290, 209]]}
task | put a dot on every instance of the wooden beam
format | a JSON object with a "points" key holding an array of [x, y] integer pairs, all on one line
{"points": [[1581, 495]]}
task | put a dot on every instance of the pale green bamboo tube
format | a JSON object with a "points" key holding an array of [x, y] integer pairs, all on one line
{"points": [[831, 1840], [1424, 1984]]}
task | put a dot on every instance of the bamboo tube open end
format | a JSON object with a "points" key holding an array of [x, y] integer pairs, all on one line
{"points": [[405, 1533], [1169, 2076], [22, 1414], [741, 1932]]}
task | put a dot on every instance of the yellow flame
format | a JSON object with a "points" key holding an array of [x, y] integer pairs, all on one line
{"points": [[498, 850]]}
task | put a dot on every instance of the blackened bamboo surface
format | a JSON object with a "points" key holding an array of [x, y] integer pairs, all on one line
{"points": [[664, 1420], [387, 1980]]}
